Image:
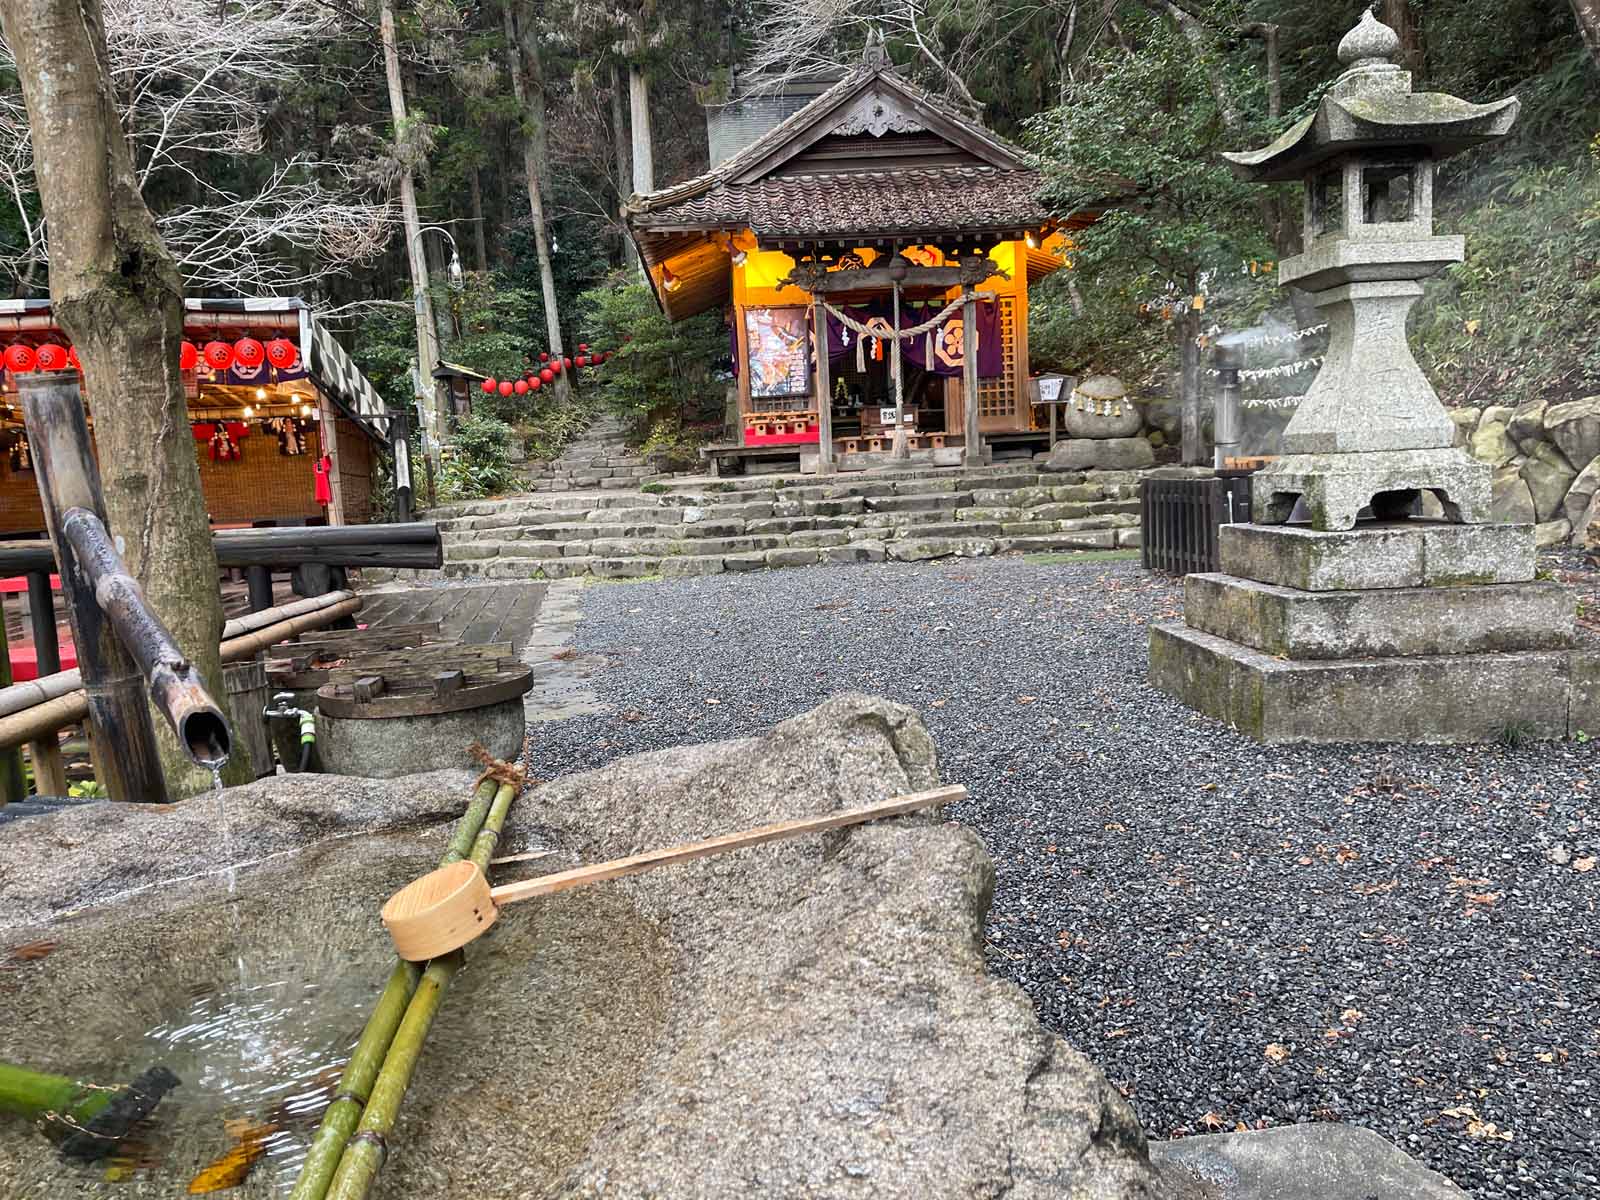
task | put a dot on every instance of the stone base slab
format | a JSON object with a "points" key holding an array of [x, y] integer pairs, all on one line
{"points": [[1378, 554], [1434, 699], [1336, 487], [1387, 622]]}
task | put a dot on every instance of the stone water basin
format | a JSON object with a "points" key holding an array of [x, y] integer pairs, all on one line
{"points": [[809, 1018], [254, 999]]}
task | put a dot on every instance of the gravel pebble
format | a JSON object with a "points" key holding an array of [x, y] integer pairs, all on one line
{"points": [[1400, 937]]}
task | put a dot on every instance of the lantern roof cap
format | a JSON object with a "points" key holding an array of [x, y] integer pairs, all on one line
{"points": [[1372, 107]]}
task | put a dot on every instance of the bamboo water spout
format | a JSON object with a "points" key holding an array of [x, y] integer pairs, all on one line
{"points": [[175, 686]]}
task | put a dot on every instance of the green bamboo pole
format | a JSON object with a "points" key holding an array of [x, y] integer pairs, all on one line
{"points": [[364, 1155], [366, 1061], [34, 1094]]}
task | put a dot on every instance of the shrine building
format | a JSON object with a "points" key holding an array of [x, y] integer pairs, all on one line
{"points": [[872, 206]]}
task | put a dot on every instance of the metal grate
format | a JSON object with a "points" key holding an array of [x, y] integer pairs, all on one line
{"points": [[998, 397], [1179, 520]]}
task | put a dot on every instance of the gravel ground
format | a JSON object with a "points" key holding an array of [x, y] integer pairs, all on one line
{"points": [[1241, 936]]}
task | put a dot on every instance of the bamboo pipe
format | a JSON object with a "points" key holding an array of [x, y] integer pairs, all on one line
{"points": [[367, 1059], [454, 905], [19, 696], [96, 1117], [364, 1155], [71, 707]]}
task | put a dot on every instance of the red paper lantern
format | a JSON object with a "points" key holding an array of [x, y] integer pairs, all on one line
{"points": [[20, 359], [51, 357], [489, 385], [521, 387], [583, 345], [282, 353], [248, 352], [72, 358], [566, 363], [544, 356], [505, 387], [218, 355], [188, 356], [583, 360], [547, 375], [535, 384]]}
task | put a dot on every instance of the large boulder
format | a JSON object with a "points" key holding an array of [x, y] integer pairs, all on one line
{"points": [[1100, 408], [1165, 415], [1491, 443], [1466, 421], [1511, 501], [1547, 486], [1551, 533], [1580, 496], [1297, 1162], [806, 1018], [1105, 454], [1526, 426], [1575, 428]]}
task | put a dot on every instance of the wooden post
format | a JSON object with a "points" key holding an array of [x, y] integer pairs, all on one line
{"points": [[49, 771], [124, 744], [258, 584], [973, 455], [12, 784], [819, 335]]}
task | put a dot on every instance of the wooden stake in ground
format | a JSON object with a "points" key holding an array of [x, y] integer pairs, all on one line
{"points": [[117, 293]]}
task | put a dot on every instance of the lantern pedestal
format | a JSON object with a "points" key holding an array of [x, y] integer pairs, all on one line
{"points": [[1402, 631], [1337, 487]]}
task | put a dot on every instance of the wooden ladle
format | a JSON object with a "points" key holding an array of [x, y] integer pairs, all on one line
{"points": [[445, 909]]}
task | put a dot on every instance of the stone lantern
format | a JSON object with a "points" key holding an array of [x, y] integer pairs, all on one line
{"points": [[1368, 623], [1371, 431]]}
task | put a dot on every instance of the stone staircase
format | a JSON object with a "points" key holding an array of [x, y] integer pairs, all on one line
{"points": [[598, 458], [698, 526]]}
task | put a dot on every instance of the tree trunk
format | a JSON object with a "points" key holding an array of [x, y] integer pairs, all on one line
{"points": [[644, 170], [1399, 16], [427, 346], [118, 295], [619, 132], [479, 242], [1194, 449], [1588, 14], [529, 93]]}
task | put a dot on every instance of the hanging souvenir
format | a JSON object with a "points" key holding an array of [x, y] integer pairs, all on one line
{"points": [[223, 447], [324, 484], [290, 442]]}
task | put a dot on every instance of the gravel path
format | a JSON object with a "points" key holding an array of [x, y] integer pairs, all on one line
{"points": [[1401, 938]]}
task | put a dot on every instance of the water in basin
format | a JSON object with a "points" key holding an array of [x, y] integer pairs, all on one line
{"points": [[253, 998]]}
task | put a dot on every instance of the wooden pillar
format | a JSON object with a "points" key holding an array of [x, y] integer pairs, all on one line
{"points": [[328, 443], [973, 455], [258, 582], [49, 771], [124, 743], [819, 335], [12, 784]]}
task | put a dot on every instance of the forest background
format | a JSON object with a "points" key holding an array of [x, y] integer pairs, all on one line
{"points": [[267, 144]]}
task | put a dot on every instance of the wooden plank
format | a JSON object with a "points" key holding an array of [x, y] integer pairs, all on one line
{"points": [[651, 859], [389, 634], [517, 624], [445, 682], [368, 688], [471, 611]]}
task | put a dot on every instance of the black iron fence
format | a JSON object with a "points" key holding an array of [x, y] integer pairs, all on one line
{"points": [[1180, 517]]}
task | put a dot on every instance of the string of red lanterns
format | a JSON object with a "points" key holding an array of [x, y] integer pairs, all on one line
{"points": [[548, 370], [21, 358]]}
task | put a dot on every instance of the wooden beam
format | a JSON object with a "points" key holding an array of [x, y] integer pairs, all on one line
{"points": [[819, 334], [972, 456]]}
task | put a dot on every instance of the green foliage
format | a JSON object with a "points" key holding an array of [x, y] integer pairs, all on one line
{"points": [[1516, 321], [477, 460], [662, 377], [88, 789]]}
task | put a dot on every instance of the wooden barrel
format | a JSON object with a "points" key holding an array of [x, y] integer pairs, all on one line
{"points": [[246, 685]]}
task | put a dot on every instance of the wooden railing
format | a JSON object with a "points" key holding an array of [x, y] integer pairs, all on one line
{"points": [[1180, 518]]}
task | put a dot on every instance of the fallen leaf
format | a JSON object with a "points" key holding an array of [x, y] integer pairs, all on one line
{"points": [[938, 703], [1483, 897], [1351, 1016], [1277, 1052], [1545, 1058], [228, 1170], [1372, 889], [1344, 854], [1115, 827], [1486, 1130], [1214, 1120], [713, 701], [1026, 699], [29, 951], [1586, 863]]}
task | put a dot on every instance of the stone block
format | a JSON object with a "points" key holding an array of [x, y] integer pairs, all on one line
{"points": [[791, 557], [1583, 708], [1511, 500], [1380, 623], [1027, 528], [623, 568], [682, 565], [1491, 443], [1114, 454], [1581, 493], [1390, 554], [1575, 428], [1319, 1161], [817, 538], [1077, 493], [1551, 533], [1336, 488], [918, 549], [1130, 539], [1060, 512], [1435, 699], [856, 552], [744, 562]]}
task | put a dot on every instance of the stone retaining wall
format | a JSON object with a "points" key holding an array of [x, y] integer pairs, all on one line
{"points": [[1546, 460]]}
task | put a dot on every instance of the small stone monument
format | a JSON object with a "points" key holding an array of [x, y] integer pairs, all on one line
{"points": [[1370, 624]]}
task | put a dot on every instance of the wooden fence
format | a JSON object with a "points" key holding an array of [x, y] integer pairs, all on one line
{"points": [[1180, 518]]}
